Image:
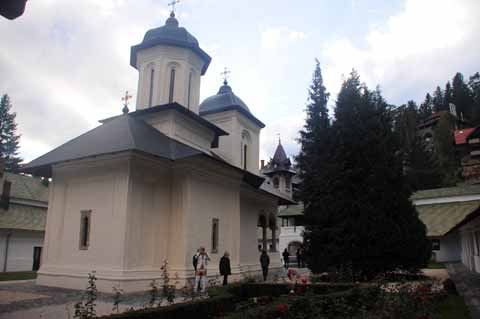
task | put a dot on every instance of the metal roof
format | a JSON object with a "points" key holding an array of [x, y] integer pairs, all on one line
{"points": [[173, 35], [23, 217], [442, 218], [294, 210], [123, 133], [447, 192]]}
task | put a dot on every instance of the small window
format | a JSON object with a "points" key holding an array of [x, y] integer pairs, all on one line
{"points": [[85, 219], [245, 149], [215, 235], [189, 90], [276, 182], [435, 244], [150, 93], [172, 85]]}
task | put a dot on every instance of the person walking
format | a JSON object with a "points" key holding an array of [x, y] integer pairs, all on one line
{"points": [[195, 260], [224, 266], [299, 257], [264, 262], [286, 257], [201, 272]]}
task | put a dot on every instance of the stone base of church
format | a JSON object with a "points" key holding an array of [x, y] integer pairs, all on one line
{"points": [[136, 281]]}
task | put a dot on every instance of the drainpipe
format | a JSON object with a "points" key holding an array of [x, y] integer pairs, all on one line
{"points": [[7, 243]]}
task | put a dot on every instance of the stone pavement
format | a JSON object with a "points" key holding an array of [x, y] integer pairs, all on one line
{"points": [[468, 285]]}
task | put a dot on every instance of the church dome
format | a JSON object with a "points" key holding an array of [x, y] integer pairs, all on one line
{"points": [[173, 35], [224, 99]]}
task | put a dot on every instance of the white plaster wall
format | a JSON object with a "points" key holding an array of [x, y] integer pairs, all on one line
{"points": [[20, 251], [179, 127], [470, 242], [290, 234], [450, 248], [161, 59], [230, 146]]}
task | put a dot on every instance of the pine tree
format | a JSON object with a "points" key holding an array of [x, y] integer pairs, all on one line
{"points": [[9, 138], [438, 100], [474, 85], [445, 149], [426, 108], [422, 171], [361, 216], [461, 97], [447, 96]]}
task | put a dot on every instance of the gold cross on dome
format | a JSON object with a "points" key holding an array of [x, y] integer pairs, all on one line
{"points": [[172, 4], [126, 98], [225, 74]]}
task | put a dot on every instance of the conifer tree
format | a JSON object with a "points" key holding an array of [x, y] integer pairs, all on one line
{"points": [[438, 100], [447, 96], [474, 85], [426, 108], [360, 216], [461, 97], [445, 149], [9, 138]]}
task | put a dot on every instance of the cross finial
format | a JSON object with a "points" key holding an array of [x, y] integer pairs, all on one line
{"points": [[225, 74], [279, 140], [125, 100], [172, 5]]}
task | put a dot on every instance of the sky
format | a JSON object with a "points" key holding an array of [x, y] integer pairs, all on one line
{"points": [[65, 63]]}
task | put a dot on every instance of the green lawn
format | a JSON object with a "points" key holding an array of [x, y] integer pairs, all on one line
{"points": [[453, 308], [435, 265], [21, 275]]}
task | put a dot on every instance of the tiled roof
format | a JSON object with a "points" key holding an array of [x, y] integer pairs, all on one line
{"points": [[293, 210], [462, 135], [26, 187], [447, 192], [23, 217], [441, 218]]}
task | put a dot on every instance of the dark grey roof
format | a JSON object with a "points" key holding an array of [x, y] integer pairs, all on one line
{"points": [[170, 34], [123, 133], [226, 100], [279, 163]]}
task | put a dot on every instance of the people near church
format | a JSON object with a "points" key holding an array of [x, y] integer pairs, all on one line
{"points": [[195, 260], [264, 262], [224, 266], [286, 258], [201, 272], [299, 258]]}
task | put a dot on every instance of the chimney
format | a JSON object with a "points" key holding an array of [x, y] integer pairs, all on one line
{"points": [[262, 164]]}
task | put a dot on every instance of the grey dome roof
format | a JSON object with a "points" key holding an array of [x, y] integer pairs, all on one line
{"points": [[170, 34], [224, 98]]}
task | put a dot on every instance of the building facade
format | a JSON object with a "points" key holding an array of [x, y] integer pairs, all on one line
{"points": [[155, 184]]}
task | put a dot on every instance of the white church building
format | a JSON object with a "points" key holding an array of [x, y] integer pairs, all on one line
{"points": [[157, 183]]}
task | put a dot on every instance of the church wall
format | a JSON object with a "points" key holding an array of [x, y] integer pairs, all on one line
{"points": [[96, 185], [162, 59], [225, 120]]}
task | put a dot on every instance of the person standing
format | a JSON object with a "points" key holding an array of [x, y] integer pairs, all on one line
{"points": [[195, 260], [224, 266], [299, 257], [264, 262], [201, 272], [286, 257]]}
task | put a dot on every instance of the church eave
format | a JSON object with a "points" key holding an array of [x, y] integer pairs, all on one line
{"points": [[170, 42], [238, 108]]}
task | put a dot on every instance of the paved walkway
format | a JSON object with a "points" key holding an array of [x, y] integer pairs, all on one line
{"points": [[468, 285]]}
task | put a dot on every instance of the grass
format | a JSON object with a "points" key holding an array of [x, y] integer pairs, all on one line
{"points": [[20, 275], [453, 307], [435, 265]]}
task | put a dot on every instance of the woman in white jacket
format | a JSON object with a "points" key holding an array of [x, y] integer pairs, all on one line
{"points": [[201, 273]]}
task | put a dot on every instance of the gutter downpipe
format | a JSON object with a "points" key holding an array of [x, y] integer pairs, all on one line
{"points": [[7, 244]]}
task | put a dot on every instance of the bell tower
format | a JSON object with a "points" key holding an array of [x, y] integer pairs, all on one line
{"points": [[170, 63]]}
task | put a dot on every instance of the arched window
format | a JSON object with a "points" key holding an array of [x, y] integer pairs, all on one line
{"points": [[172, 85], [276, 182], [246, 140], [150, 92], [85, 217], [189, 92]]}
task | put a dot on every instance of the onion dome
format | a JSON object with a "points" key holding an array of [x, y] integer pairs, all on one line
{"points": [[226, 100], [173, 35]]}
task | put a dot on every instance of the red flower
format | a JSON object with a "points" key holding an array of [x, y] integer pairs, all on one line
{"points": [[282, 308]]}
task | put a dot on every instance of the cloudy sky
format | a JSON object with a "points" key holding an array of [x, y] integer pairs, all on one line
{"points": [[65, 63]]}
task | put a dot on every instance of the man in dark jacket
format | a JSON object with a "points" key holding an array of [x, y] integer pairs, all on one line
{"points": [[286, 258], [195, 260], [264, 262], [224, 266]]}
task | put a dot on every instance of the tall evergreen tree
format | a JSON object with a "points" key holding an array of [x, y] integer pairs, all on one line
{"points": [[461, 97], [438, 100], [474, 85], [447, 96], [422, 172], [9, 138], [445, 149], [360, 216], [426, 108]]}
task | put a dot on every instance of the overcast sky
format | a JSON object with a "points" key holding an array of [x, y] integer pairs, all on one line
{"points": [[65, 63]]}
